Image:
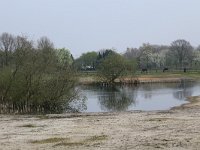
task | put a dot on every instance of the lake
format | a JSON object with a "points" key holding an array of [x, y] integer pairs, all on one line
{"points": [[144, 97]]}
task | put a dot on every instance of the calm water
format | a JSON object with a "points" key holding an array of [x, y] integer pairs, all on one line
{"points": [[143, 97]]}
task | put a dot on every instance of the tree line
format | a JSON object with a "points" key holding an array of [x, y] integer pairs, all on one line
{"points": [[180, 54]]}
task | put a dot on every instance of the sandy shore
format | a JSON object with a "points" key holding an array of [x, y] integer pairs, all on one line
{"points": [[178, 128]]}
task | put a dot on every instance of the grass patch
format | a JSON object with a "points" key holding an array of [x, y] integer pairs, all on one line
{"points": [[70, 144], [97, 138], [58, 116], [152, 73], [67, 142], [191, 74], [50, 140], [163, 119], [87, 141]]}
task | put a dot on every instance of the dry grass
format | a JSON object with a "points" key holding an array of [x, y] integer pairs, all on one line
{"points": [[97, 138], [50, 140], [159, 119], [87, 141], [68, 142]]}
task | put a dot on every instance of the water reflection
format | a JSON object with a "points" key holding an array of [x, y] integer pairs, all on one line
{"points": [[117, 100], [184, 90], [144, 97], [180, 90]]}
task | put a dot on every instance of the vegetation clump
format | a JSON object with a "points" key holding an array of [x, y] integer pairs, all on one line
{"points": [[86, 141], [67, 142], [113, 67], [49, 140], [35, 78]]}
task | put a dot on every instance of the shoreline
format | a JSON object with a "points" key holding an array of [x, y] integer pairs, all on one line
{"points": [[192, 102], [177, 128], [173, 129], [137, 80]]}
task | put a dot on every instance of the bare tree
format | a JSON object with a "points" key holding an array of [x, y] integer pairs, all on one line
{"points": [[7, 45], [132, 53], [22, 42], [182, 51], [45, 43]]}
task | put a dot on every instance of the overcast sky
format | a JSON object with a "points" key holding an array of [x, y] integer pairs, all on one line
{"points": [[91, 25]]}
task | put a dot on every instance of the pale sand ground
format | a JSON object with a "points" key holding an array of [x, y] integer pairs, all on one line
{"points": [[178, 129]]}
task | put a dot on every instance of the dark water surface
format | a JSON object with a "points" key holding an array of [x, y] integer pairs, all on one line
{"points": [[143, 97]]}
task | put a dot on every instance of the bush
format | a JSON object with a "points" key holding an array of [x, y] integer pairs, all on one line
{"points": [[113, 67], [36, 81]]}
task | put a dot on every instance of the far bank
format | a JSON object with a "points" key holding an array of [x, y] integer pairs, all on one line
{"points": [[176, 77]]}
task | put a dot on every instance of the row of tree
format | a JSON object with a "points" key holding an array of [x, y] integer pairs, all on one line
{"points": [[35, 77], [180, 54]]}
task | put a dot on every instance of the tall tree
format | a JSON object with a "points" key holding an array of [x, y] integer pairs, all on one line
{"points": [[182, 51], [132, 53], [146, 51]]}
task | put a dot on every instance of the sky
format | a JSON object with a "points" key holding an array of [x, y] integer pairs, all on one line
{"points": [[91, 25]]}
